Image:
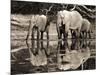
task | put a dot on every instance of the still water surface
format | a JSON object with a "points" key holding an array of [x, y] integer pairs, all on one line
{"points": [[53, 56]]}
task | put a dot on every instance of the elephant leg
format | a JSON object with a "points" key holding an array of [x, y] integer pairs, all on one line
{"points": [[78, 33], [33, 32], [33, 47], [38, 47], [75, 34], [86, 35], [33, 40], [89, 33], [58, 30], [33, 44], [71, 33], [81, 34], [60, 34], [47, 44], [65, 36], [78, 44], [38, 34], [48, 51], [33, 50], [73, 44], [47, 35], [63, 32], [47, 30], [41, 35], [42, 45]]}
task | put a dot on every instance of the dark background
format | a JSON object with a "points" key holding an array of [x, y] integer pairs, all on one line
{"points": [[24, 7]]}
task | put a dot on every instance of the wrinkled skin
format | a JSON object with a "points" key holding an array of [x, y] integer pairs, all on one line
{"points": [[72, 20], [85, 29]]}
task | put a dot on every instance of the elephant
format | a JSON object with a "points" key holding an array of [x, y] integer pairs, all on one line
{"points": [[68, 20], [40, 24], [86, 29]]}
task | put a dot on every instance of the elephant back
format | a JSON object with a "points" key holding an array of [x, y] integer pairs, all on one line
{"points": [[76, 20], [41, 22], [85, 25]]}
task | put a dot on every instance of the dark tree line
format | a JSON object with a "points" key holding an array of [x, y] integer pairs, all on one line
{"points": [[23, 7]]}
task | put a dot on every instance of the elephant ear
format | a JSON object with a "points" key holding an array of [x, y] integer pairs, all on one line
{"points": [[67, 26]]}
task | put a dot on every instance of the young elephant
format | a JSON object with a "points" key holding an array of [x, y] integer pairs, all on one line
{"points": [[86, 29]]}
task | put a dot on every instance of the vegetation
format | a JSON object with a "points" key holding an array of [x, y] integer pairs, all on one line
{"points": [[23, 7]]}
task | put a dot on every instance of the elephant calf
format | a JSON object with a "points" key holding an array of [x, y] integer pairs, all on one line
{"points": [[86, 29]]}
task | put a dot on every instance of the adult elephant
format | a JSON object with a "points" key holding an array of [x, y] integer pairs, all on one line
{"points": [[39, 23], [86, 29], [68, 20]]}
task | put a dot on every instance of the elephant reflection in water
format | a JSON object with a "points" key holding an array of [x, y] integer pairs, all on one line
{"points": [[75, 44], [71, 59], [79, 44], [38, 54]]}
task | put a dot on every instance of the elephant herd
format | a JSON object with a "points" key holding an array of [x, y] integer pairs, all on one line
{"points": [[74, 22], [67, 21]]}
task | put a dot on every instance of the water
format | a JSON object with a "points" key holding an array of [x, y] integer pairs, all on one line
{"points": [[54, 56]]}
